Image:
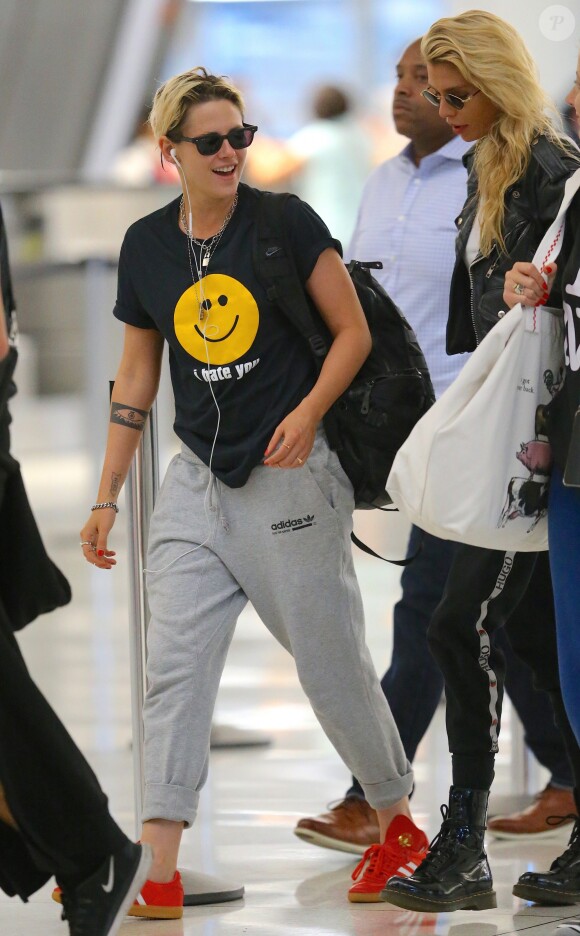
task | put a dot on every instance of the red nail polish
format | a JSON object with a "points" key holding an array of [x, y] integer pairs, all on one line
{"points": [[548, 269], [100, 552]]}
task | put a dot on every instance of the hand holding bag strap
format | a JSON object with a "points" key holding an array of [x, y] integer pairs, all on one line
{"points": [[551, 244], [452, 432]]}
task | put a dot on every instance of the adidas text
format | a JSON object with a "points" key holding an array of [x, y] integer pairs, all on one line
{"points": [[290, 526]]}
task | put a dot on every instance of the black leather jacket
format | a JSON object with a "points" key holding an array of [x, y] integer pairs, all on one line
{"points": [[476, 296]]}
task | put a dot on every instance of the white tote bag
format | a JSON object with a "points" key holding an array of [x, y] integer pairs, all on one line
{"points": [[476, 466]]}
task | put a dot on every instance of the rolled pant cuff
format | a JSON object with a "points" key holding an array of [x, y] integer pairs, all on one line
{"points": [[386, 794], [168, 801]]}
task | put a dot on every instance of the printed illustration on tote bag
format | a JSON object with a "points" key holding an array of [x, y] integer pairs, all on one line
{"points": [[528, 497]]}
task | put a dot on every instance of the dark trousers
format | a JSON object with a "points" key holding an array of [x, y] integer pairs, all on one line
{"points": [[483, 590], [413, 665], [64, 826], [564, 533]]}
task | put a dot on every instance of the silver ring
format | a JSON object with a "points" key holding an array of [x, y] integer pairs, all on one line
{"points": [[87, 543], [519, 289]]}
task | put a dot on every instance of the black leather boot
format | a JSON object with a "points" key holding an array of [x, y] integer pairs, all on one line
{"points": [[455, 874], [559, 885]]}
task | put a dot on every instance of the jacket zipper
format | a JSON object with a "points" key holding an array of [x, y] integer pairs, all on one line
{"points": [[492, 268], [477, 257]]}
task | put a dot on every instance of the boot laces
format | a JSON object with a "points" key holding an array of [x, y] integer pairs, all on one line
{"points": [[444, 845], [572, 852]]}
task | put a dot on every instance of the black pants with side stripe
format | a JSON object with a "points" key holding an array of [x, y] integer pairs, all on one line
{"points": [[483, 588]]}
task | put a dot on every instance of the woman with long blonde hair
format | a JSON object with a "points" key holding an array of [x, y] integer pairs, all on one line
{"points": [[483, 80]]}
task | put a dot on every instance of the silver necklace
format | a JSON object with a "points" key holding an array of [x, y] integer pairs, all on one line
{"points": [[205, 253], [208, 245]]}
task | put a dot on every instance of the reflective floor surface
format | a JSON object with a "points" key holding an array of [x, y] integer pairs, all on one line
{"points": [[253, 797]]}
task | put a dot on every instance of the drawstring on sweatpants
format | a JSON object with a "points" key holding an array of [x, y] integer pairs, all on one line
{"points": [[213, 490], [211, 503]]}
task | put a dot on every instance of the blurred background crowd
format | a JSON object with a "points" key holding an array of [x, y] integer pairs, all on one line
{"points": [[77, 163]]}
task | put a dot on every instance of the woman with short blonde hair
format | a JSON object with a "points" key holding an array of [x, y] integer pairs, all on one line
{"points": [[254, 468]]}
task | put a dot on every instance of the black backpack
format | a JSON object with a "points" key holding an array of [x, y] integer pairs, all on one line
{"points": [[370, 421]]}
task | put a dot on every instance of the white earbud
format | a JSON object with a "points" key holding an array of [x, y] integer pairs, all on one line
{"points": [[173, 154]]}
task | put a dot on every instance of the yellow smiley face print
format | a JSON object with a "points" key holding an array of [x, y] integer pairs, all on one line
{"points": [[229, 324]]}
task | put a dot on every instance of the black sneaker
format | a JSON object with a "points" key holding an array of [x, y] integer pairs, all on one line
{"points": [[98, 906]]}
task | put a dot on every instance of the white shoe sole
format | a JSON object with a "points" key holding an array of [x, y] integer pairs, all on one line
{"points": [[560, 831], [315, 838], [137, 883]]}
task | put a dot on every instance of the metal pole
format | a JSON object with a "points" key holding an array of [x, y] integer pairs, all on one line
{"points": [[141, 488]]}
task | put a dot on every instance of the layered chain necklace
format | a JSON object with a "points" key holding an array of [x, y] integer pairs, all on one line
{"points": [[209, 244], [207, 249]]}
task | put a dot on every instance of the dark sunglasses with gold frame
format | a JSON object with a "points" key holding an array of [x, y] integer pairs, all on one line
{"points": [[454, 100]]}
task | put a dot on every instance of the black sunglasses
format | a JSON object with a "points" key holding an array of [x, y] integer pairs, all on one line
{"points": [[453, 100], [211, 143]]}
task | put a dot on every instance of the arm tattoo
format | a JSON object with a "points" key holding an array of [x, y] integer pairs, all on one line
{"points": [[115, 484], [127, 416]]}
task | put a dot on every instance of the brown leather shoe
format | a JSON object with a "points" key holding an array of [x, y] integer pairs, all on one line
{"points": [[533, 821], [350, 826]]}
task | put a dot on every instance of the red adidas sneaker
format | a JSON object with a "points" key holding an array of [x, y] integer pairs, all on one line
{"points": [[159, 901], [155, 901], [401, 853]]}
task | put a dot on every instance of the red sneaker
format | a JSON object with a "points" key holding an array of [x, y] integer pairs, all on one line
{"points": [[155, 901], [159, 901], [401, 853]]}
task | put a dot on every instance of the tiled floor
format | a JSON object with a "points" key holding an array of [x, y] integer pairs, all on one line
{"points": [[253, 798]]}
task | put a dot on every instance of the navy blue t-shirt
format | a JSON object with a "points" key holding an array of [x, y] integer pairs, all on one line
{"points": [[244, 349]]}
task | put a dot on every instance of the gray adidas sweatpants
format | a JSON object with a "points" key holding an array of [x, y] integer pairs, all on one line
{"points": [[281, 542]]}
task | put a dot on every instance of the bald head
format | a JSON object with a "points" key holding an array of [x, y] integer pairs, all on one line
{"points": [[415, 117]]}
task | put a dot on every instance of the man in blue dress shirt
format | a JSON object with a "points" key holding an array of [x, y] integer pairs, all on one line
{"points": [[407, 221]]}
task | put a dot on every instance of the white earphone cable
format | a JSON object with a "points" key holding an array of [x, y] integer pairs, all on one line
{"points": [[202, 305]]}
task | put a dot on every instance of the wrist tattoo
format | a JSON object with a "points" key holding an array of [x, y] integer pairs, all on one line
{"points": [[126, 416]]}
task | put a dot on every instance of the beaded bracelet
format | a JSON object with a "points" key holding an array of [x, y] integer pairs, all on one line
{"points": [[106, 504]]}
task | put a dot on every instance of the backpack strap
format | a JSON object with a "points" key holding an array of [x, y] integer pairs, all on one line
{"points": [[275, 267], [371, 552]]}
